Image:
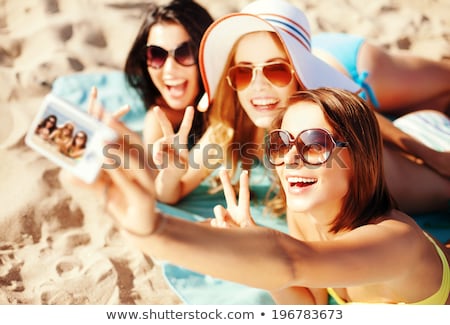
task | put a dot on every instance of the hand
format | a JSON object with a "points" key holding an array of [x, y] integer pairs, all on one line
{"points": [[130, 197], [124, 186], [97, 111], [236, 214], [171, 151]]}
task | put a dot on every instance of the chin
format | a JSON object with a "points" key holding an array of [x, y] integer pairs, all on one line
{"points": [[298, 208], [296, 205], [264, 123], [177, 105]]}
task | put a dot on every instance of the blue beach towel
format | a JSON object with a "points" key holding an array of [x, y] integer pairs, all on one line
{"points": [[113, 93], [199, 289]]}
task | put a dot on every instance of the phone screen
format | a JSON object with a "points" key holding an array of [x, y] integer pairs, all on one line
{"points": [[69, 137]]}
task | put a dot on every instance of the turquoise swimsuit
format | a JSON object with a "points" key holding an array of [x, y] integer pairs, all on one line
{"points": [[345, 49]]}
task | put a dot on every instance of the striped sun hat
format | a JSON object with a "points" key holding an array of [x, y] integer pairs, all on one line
{"points": [[293, 29]]}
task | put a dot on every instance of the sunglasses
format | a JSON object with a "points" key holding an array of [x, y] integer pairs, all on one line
{"points": [[157, 56], [277, 73], [314, 146]]}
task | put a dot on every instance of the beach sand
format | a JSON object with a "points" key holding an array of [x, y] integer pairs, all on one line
{"points": [[56, 244]]}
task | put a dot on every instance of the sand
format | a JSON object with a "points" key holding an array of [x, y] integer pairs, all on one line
{"points": [[56, 244]]}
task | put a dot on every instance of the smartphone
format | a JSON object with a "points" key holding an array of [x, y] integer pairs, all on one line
{"points": [[69, 137]]}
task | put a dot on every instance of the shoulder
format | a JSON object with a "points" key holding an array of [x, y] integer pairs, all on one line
{"points": [[394, 231]]}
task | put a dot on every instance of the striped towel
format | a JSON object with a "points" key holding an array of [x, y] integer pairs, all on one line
{"points": [[430, 127]]}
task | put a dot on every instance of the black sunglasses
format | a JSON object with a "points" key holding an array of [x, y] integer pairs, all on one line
{"points": [[157, 56], [314, 146]]}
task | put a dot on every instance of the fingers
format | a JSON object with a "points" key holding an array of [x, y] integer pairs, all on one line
{"points": [[244, 191], [92, 100], [132, 162], [127, 147], [94, 108], [121, 112], [230, 195], [244, 199], [220, 215], [173, 146], [186, 124], [97, 111], [166, 125]]}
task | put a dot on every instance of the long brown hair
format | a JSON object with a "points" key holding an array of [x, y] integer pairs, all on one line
{"points": [[353, 120]]}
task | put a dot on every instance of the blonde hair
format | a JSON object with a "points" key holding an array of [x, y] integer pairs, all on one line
{"points": [[232, 128]]}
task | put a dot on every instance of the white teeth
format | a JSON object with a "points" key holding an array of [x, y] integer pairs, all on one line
{"points": [[301, 180], [174, 83], [264, 101]]}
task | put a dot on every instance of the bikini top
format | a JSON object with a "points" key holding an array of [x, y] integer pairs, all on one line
{"points": [[345, 49], [438, 298]]}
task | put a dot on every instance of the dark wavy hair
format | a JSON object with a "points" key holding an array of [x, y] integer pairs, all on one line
{"points": [[195, 19], [43, 123]]}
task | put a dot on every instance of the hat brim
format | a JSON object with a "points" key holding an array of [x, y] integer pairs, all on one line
{"points": [[221, 36]]}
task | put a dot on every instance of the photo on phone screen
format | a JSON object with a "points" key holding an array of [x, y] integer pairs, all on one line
{"points": [[69, 137]]}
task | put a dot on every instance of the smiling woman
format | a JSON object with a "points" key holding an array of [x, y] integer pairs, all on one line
{"points": [[162, 64], [346, 238]]}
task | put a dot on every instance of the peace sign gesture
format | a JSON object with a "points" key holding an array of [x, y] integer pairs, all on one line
{"points": [[237, 213], [171, 151]]}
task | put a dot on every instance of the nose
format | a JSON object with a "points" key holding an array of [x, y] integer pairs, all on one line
{"points": [[292, 158], [170, 64], [259, 81]]}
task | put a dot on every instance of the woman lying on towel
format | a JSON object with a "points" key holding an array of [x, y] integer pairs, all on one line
{"points": [[346, 237], [395, 84]]}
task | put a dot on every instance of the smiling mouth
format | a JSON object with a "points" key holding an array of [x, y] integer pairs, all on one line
{"points": [[301, 181], [265, 103], [177, 89]]}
